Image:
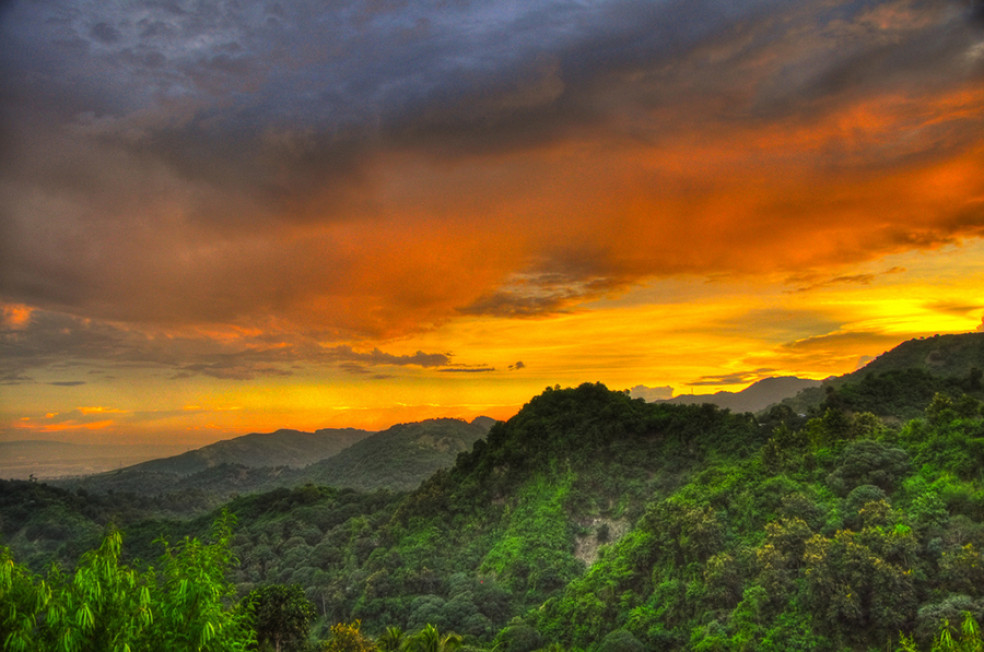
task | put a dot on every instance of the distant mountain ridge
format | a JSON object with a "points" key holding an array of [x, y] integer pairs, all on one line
{"points": [[283, 447], [754, 398], [945, 356], [397, 458]]}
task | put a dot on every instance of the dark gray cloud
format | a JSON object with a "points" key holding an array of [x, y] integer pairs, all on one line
{"points": [[466, 370], [56, 340], [735, 378], [376, 357], [158, 158], [539, 294], [844, 279]]}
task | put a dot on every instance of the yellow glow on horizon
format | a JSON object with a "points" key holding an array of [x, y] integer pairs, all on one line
{"points": [[688, 332]]}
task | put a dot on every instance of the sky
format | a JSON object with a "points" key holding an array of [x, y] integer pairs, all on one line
{"points": [[228, 217]]}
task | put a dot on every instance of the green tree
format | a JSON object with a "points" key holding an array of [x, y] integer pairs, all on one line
{"points": [[105, 605], [197, 610], [281, 615], [621, 640], [969, 639], [430, 640], [392, 640], [348, 638]]}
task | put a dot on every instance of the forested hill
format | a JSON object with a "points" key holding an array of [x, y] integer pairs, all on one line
{"points": [[398, 458], [941, 355], [514, 521], [593, 521], [899, 382]]}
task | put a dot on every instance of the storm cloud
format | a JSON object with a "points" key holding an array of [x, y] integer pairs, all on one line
{"points": [[345, 174]]}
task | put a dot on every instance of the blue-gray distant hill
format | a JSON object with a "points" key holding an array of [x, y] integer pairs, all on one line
{"points": [[284, 447], [398, 459], [754, 398]]}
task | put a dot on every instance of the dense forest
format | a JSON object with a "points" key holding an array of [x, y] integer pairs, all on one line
{"points": [[589, 521]]}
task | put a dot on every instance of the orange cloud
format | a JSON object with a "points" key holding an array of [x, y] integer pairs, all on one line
{"points": [[16, 316], [65, 426]]}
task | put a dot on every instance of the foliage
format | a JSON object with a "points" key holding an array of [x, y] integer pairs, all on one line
{"points": [[348, 638], [839, 530], [108, 606], [281, 615]]}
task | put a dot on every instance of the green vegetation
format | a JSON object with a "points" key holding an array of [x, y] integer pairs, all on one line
{"points": [[590, 521], [105, 605]]}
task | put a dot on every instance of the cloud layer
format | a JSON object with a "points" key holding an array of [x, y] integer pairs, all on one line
{"points": [[230, 189]]}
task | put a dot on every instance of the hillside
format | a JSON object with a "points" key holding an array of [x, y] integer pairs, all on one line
{"points": [[897, 381], [281, 448], [947, 356], [398, 458], [592, 521], [510, 525]]}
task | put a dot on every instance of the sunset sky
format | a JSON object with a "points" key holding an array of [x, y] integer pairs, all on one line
{"points": [[228, 217]]}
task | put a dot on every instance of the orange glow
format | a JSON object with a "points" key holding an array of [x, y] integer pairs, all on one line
{"points": [[66, 426], [788, 194], [16, 317]]}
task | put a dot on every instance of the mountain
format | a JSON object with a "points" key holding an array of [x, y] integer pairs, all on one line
{"points": [[946, 356], [281, 448], [901, 381], [754, 398], [597, 522], [398, 458]]}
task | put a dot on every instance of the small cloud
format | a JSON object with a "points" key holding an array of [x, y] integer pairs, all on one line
{"points": [[980, 327], [650, 394], [518, 365], [737, 378], [67, 383], [847, 279], [230, 370], [346, 355], [14, 378], [863, 360], [466, 370], [99, 409], [960, 309], [15, 316], [105, 33]]}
